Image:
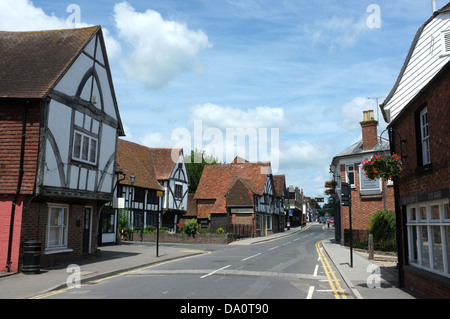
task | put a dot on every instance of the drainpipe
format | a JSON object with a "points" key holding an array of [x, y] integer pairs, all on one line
{"points": [[19, 185]]}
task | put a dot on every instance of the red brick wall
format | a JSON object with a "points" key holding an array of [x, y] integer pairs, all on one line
{"points": [[5, 219], [363, 206], [34, 227], [414, 181], [437, 98], [369, 134], [426, 285]]}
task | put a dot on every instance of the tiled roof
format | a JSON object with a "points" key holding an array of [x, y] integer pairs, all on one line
{"points": [[216, 180], [280, 185], [31, 63], [163, 161], [357, 148], [136, 159], [191, 207]]}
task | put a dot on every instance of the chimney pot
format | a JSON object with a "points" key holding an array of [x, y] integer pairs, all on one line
{"points": [[369, 130]]}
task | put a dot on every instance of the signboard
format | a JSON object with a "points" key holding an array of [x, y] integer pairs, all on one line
{"points": [[242, 211], [291, 212], [345, 194], [368, 186], [367, 183]]}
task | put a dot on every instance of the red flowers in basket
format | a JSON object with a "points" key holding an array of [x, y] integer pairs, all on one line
{"points": [[382, 166]]}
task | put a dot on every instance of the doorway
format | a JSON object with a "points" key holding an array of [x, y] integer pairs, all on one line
{"points": [[87, 226]]}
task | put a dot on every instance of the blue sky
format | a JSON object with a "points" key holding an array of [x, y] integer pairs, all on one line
{"points": [[305, 68]]}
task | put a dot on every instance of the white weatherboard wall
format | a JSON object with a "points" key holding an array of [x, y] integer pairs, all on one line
{"points": [[427, 59]]}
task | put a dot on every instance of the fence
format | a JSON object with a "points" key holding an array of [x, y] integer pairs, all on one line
{"points": [[240, 230]]}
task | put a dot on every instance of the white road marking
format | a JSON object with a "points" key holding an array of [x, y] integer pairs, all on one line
{"points": [[251, 256], [213, 272], [310, 292], [273, 248], [316, 270]]}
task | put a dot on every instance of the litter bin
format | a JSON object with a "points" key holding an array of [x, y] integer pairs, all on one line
{"points": [[31, 257]]}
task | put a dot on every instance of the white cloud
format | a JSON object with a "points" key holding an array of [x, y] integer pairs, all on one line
{"points": [[22, 15], [337, 31], [352, 113], [155, 140], [299, 154], [228, 117], [161, 49]]}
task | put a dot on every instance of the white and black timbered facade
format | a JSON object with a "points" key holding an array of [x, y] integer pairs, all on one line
{"points": [[80, 129], [62, 81], [171, 172]]}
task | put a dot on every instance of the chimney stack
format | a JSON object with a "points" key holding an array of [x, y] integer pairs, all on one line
{"points": [[369, 130]]}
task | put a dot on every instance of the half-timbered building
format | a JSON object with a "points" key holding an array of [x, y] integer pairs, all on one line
{"points": [[149, 172], [239, 197], [60, 122], [171, 173], [139, 187]]}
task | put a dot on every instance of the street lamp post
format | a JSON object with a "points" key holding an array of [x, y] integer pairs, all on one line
{"points": [[130, 203], [159, 194]]}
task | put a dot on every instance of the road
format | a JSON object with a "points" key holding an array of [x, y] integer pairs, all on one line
{"points": [[292, 267]]}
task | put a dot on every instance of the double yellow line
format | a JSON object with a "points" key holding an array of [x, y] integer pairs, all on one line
{"points": [[334, 282]]}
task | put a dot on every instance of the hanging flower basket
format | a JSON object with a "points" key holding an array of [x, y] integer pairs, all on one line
{"points": [[330, 184], [382, 166], [330, 191]]}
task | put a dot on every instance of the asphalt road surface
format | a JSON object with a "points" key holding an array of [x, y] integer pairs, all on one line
{"points": [[292, 267]]}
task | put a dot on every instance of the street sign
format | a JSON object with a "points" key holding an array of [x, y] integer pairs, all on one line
{"points": [[345, 194]]}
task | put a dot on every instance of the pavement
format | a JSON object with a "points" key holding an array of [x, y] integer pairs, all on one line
{"points": [[367, 279]]}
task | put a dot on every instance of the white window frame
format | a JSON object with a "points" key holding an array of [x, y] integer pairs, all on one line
{"points": [[347, 179], [445, 42], [78, 151], [430, 257], [59, 223], [425, 136]]}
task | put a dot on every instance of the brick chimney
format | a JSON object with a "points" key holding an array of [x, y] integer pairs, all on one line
{"points": [[369, 130]]}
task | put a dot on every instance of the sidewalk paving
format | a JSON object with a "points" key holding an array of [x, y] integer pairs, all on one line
{"points": [[113, 260], [368, 279], [128, 256]]}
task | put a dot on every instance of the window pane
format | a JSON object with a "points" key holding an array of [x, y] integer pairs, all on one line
{"points": [[56, 217], [437, 248], [351, 174], [412, 214], [77, 146], [435, 212], [54, 235], [413, 245], [93, 151], [446, 212], [447, 239], [425, 247], [423, 212], [85, 148]]}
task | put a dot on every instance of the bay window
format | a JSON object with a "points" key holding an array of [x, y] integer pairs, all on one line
{"points": [[428, 225]]}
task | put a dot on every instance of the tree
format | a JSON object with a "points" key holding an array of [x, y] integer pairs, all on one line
{"points": [[195, 163]]}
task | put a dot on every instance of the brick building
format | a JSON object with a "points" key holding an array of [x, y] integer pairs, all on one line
{"points": [[418, 113], [367, 196], [60, 122], [241, 193]]}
